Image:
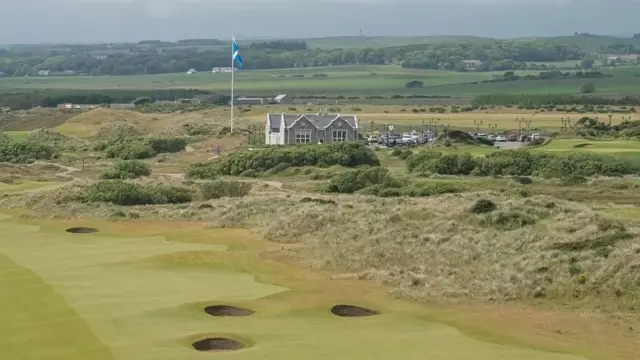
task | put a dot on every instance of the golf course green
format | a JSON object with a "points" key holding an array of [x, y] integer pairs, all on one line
{"points": [[104, 295]]}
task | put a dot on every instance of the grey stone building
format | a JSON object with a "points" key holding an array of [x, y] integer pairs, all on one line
{"points": [[281, 129]]}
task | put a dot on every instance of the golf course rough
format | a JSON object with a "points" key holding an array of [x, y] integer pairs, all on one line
{"points": [[68, 299]]}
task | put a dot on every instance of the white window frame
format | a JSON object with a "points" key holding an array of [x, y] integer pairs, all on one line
{"points": [[303, 136], [343, 135]]}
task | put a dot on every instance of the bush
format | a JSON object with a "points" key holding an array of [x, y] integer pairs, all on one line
{"points": [[588, 88], [223, 188], [353, 180], [349, 154], [250, 173], [521, 163], [429, 189], [405, 154], [396, 152], [523, 180], [167, 144], [482, 206], [125, 193], [128, 169], [130, 150], [25, 152], [143, 148], [203, 171]]}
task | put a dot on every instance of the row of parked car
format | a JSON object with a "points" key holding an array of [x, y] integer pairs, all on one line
{"points": [[511, 137], [398, 139]]}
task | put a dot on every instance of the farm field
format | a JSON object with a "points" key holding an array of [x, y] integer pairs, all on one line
{"points": [[155, 283], [340, 80]]}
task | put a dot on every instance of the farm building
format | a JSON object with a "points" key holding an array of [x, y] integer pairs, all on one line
{"points": [[281, 129]]}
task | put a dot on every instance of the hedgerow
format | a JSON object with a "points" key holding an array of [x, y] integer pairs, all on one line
{"points": [[347, 154], [521, 163]]}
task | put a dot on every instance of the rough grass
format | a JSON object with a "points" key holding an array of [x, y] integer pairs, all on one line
{"points": [[528, 247]]}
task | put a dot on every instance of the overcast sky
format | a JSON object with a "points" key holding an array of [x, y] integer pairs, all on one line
{"points": [[46, 21]]}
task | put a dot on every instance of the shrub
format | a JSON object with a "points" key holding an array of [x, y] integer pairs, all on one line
{"points": [[354, 180], [128, 169], [588, 88], [482, 206], [390, 192], [121, 192], [521, 163], [429, 189], [523, 180], [130, 150], [349, 154], [204, 171], [223, 188], [396, 152], [25, 152], [167, 144], [143, 148], [250, 173], [405, 154]]}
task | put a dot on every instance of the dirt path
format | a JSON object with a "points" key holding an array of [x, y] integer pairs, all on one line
{"points": [[275, 184]]}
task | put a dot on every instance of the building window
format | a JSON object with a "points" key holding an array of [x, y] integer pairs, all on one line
{"points": [[303, 136], [339, 135]]}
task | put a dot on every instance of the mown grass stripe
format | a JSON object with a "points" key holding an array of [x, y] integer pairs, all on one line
{"points": [[36, 322]]}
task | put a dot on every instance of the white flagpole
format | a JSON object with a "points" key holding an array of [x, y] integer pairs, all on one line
{"points": [[232, 79]]}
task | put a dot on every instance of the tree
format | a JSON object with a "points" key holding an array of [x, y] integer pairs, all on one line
{"points": [[414, 84], [588, 88], [142, 100], [587, 64]]}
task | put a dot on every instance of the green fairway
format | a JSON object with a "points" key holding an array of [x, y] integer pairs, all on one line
{"points": [[622, 148], [101, 296]]}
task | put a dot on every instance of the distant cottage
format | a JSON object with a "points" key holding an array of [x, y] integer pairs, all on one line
{"points": [[281, 129]]}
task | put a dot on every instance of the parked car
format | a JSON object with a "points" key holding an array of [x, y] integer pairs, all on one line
{"points": [[513, 137], [501, 138]]}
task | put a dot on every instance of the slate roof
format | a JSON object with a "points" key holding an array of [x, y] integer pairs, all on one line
{"points": [[321, 121]]}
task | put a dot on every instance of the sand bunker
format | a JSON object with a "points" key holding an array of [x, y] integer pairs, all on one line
{"points": [[82, 230], [225, 310], [217, 344], [352, 311]]}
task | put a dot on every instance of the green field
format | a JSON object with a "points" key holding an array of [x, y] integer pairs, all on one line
{"points": [[105, 297], [340, 80]]}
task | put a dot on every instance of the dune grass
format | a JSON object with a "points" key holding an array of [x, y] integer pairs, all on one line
{"points": [[142, 298]]}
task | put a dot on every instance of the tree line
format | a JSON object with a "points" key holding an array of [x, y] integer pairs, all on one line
{"points": [[153, 57]]}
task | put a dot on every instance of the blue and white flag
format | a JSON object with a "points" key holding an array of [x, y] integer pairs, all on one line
{"points": [[236, 54]]}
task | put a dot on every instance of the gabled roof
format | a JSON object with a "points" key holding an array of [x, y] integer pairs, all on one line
{"points": [[320, 121]]}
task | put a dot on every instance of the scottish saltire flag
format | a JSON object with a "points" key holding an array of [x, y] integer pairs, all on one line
{"points": [[236, 54]]}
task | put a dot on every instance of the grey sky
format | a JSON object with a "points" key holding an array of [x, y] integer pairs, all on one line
{"points": [[37, 21]]}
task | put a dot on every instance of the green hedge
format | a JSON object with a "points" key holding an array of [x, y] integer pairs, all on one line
{"points": [[521, 163]]}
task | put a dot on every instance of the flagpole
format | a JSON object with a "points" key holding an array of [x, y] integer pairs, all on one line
{"points": [[232, 80]]}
